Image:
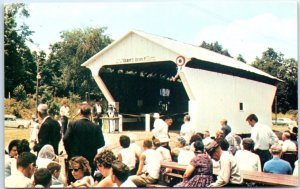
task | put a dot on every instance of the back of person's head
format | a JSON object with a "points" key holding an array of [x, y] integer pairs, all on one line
{"points": [[53, 166], [147, 144], [195, 137], [223, 143], [181, 141], [105, 158], [83, 164], [85, 109], [23, 146], [199, 146], [120, 170], [252, 117], [248, 144], [13, 143], [156, 142], [25, 159], [295, 130], [224, 121], [43, 177], [187, 118], [124, 141], [276, 149], [47, 152], [286, 135], [42, 110]]}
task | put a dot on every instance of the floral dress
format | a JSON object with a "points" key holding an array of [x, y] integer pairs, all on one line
{"points": [[202, 175]]}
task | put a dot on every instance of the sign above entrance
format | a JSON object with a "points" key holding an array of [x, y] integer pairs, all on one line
{"points": [[135, 59]]}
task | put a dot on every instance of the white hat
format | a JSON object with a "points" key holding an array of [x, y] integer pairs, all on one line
{"points": [[156, 115]]}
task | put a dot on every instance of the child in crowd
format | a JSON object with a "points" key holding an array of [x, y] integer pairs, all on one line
{"points": [[42, 178], [126, 154], [55, 170], [120, 174]]}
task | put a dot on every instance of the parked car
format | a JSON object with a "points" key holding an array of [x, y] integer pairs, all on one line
{"points": [[284, 122], [12, 121]]}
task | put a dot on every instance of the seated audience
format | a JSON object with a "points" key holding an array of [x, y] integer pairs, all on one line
{"points": [[206, 138], [287, 144], [229, 174], [223, 144], [120, 174], [277, 165], [164, 152], [58, 179], [234, 142], [219, 134], [199, 172], [149, 166], [194, 138], [126, 154], [81, 171], [104, 160], [10, 158], [42, 178], [25, 169], [179, 145], [246, 159], [45, 156]]}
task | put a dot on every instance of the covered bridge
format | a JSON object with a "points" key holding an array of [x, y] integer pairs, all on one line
{"points": [[147, 73]]}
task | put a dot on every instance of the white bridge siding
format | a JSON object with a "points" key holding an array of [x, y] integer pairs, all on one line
{"points": [[217, 96]]}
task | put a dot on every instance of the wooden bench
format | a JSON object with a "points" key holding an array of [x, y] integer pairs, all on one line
{"points": [[174, 175], [267, 179], [155, 186]]}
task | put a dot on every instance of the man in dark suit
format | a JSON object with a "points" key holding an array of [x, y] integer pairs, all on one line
{"points": [[83, 137], [49, 132]]}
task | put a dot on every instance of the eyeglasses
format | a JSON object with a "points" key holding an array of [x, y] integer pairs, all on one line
{"points": [[75, 169]]}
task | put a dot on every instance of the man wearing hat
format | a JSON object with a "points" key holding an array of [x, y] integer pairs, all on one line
{"points": [[49, 132], [229, 174]]}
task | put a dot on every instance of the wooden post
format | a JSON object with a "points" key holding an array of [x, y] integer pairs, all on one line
{"points": [[120, 123]]}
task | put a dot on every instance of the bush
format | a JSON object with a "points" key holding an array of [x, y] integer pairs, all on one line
{"points": [[20, 93]]}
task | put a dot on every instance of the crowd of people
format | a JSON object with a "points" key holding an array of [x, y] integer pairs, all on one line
{"points": [[91, 163]]}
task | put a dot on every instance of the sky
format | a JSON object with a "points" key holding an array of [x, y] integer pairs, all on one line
{"points": [[243, 27]]}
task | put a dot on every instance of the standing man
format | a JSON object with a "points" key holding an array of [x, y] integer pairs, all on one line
{"points": [[224, 127], [263, 138], [83, 137], [187, 129], [65, 114], [161, 130], [49, 132], [34, 130], [97, 111]]}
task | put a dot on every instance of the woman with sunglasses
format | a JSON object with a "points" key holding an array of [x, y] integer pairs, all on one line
{"points": [[81, 171], [104, 161]]}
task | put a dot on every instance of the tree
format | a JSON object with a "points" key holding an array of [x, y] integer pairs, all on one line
{"points": [[18, 61], [216, 47], [241, 58], [64, 62], [284, 69]]}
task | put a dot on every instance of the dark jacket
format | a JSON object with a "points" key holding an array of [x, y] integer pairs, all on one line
{"points": [[49, 133], [83, 138]]}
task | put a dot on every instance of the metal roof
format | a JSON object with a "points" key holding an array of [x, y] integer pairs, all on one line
{"points": [[188, 51]]}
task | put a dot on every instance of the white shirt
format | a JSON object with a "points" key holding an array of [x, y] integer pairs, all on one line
{"points": [[229, 171], [185, 156], [288, 145], [64, 111], [295, 172], [136, 148], [160, 130], [34, 132], [263, 137], [18, 180], [152, 163], [128, 183], [128, 157], [248, 161], [165, 153], [207, 140], [187, 130], [98, 108]]}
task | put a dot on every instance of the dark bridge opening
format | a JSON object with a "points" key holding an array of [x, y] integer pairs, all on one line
{"points": [[146, 88]]}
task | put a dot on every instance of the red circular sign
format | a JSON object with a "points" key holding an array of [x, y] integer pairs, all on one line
{"points": [[180, 61]]}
